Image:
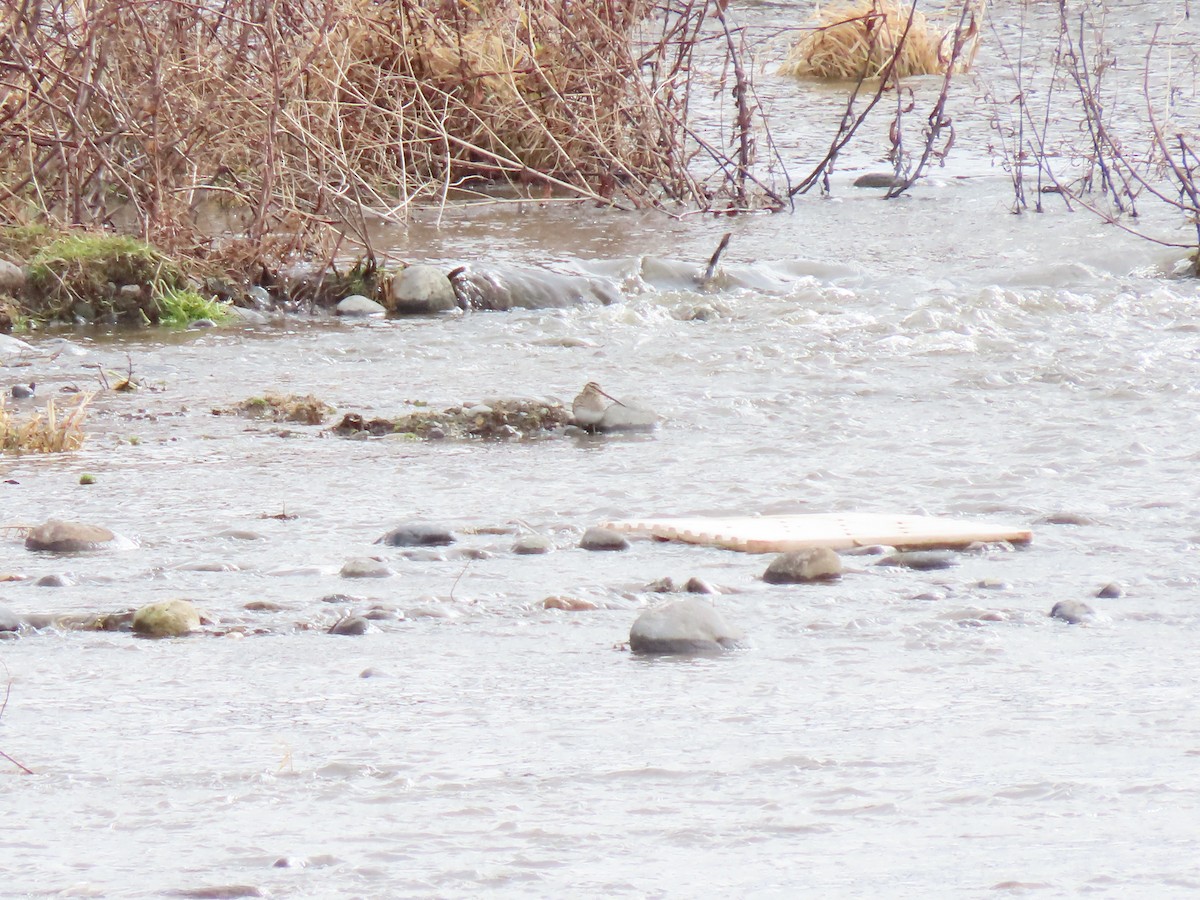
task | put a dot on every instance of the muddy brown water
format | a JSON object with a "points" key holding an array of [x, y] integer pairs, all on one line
{"points": [[898, 733]]}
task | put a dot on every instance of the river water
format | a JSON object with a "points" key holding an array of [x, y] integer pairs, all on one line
{"points": [[898, 733]]}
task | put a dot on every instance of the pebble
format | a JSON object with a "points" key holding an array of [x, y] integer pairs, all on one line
{"points": [[1111, 591], [417, 535], [603, 539], [1073, 612], [532, 544], [921, 560], [804, 566], [366, 567]]}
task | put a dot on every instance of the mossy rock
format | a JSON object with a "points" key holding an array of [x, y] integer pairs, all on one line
{"points": [[306, 410], [170, 618], [497, 420], [100, 277]]}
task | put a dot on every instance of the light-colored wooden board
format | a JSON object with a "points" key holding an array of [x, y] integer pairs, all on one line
{"points": [[779, 534]]}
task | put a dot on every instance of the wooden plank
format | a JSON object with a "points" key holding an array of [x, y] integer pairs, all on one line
{"points": [[839, 531]]}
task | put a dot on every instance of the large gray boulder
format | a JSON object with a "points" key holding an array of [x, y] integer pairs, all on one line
{"points": [[683, 627], [420, 290], [58, 536], [804, 566]]}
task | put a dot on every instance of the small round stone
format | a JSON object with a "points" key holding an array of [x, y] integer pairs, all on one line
{"points": [[603, 539]]}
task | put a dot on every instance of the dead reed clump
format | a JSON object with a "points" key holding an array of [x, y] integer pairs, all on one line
{"points": [[249, 132], [864, 38], [51, 431]]}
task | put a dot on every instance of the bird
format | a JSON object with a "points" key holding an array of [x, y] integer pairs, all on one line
{"points": [[589, 406], [23, 391]]}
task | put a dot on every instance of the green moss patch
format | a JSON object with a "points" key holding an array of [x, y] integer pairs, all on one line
{"points": [[100, 277]]}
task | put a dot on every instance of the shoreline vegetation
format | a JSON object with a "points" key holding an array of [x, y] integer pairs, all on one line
{"points": [[163, 163]]}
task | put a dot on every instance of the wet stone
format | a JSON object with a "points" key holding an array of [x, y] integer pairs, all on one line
{"points": [[804, 567], [9, 620], [921, 560], [665, 585], [569, 604], [54, 581], [532, 545], [351, 625], [1111, 591], [366, 567], [58, 536], [170, 618], [417, 535], [700, 586], [1067, 518], [342, 598], [421, 289], [356, 306], [690, 626], [262, 606], [365, 673], [603, 539], [1073, 612]]}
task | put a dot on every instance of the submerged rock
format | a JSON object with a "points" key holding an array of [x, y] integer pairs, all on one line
{"points": [[1073, 612], [923, 560], [170, 618], [804, 566], [1111, 591], [58, 536], [532, 545], [569, 604], [420, 290], [9, 620], [366, 567], [503, 288], [417, 535], [603, 539], [683, 627]]}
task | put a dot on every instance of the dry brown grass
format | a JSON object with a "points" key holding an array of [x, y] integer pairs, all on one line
{"points": [[48, 431], [295, 117], [861, 38]]}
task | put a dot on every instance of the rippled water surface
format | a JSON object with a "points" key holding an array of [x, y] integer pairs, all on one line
{"points": [[898, 733]]}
